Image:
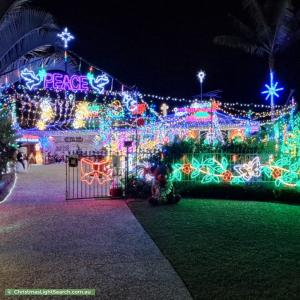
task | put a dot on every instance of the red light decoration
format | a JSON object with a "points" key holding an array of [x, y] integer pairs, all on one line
{"points": [[276, 173], [91, 171], [227, 176], [187, 169], [140, 122], [140, 109]]}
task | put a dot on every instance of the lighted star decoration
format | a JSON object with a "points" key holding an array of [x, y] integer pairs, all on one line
{"points": [[66, 37], [272, 89]]}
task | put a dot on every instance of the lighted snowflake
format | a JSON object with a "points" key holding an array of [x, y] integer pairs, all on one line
{"points": [[66, 37], [272, 89]]}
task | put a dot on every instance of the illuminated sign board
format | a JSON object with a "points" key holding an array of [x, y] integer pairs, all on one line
{"points": [[198, 111], [64, 82]]}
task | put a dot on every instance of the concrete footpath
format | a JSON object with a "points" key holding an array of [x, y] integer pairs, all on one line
{"points": [[46, 242]]}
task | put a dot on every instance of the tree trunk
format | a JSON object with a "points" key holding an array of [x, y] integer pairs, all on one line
{"points": [[271, 68], [271, 62]]}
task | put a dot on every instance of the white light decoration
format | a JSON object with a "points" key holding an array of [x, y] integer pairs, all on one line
{"points": [[164, 108], [250, 169], [71, 97], [99, 83], [201, 75], [31, 79], [66, 37], [46, 114]]}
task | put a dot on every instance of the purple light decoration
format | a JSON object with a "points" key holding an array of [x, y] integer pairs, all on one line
{"points": [[74, 83]]}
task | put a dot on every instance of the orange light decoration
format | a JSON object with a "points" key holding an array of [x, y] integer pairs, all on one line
{"points": [[91, 171], [193, 134], [227, 176], [276, 173], [237, 134], [234, 158], [187, 169]]}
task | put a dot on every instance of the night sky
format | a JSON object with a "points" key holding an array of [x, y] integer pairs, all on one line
{"points": [[159, 46]]}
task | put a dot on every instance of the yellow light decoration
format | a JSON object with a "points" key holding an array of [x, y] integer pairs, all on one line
{"points": [[46, 116], [81, 113], [79, 123], [40, 125]]}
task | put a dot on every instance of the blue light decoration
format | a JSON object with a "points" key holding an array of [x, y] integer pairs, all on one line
{"points": [[99, 83], [66, 37], [129, 102], [272, 89], [32, 80]]}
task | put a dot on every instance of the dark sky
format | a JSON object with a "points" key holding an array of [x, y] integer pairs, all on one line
{"points": [[160, 46]]}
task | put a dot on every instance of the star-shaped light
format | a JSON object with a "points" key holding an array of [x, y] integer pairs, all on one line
{"points": [[272, 89], [66, 37]]}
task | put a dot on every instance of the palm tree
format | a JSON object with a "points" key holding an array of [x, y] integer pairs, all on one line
{"points": [[25, 33], [272, 27]]}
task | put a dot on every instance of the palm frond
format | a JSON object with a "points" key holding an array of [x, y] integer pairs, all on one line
{"points": [[240, 43], [8, 7], [26, 31], [52, 59], [285, 25], [242, 27], [257, 16]]}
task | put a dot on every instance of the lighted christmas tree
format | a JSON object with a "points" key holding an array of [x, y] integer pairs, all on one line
{"points": [[214, 135], [291, 142]]}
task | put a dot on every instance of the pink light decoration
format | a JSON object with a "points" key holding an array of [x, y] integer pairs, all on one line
{"points": [[74, 83]]}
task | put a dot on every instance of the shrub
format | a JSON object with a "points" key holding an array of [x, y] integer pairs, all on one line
{"points": [[138, 188], [236, 192]]}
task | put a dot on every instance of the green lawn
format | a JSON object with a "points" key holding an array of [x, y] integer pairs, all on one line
{"points": [[229, 249]]}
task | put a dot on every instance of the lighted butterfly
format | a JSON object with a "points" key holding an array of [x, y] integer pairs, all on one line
{"points": [[93, 171], [250, 169]]}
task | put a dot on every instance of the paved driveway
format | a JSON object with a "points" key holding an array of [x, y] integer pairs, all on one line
{"points": [[46, 242]]}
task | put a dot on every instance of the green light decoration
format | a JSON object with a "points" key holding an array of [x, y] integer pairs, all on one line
{"points": [[202, 115], [42, 73], [285, 172]]}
